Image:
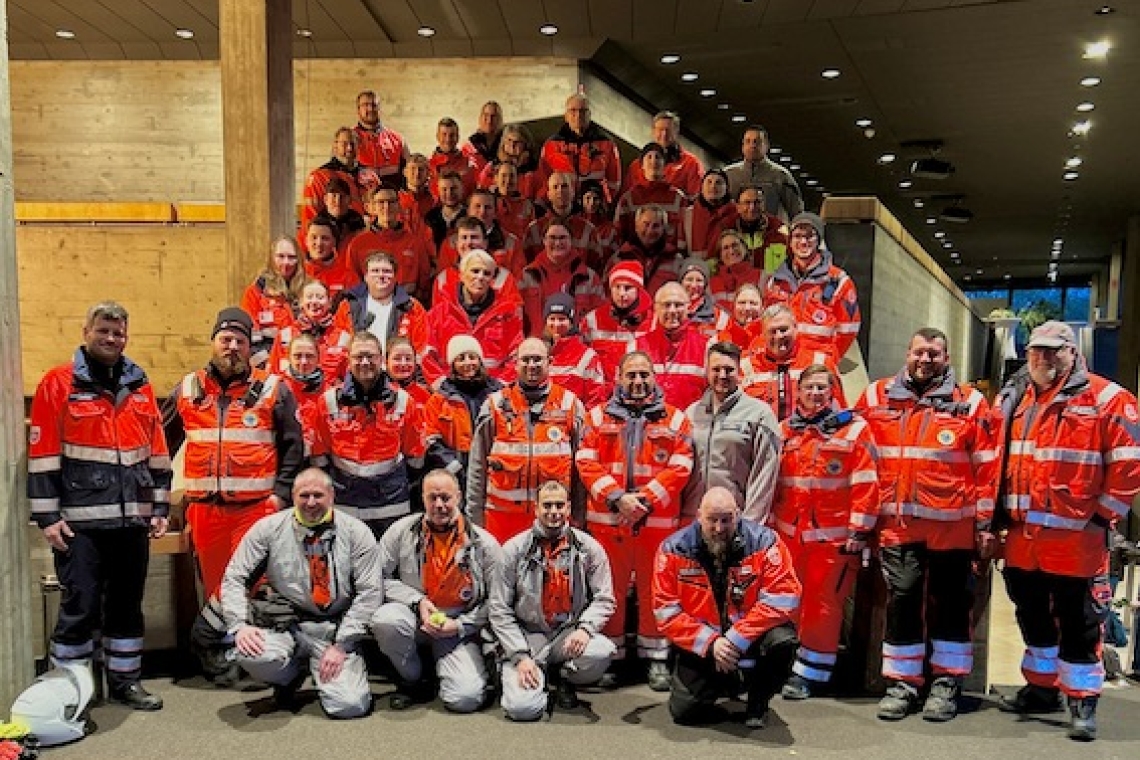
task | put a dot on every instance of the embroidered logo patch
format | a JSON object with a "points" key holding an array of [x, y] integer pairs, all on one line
{"points": [[773, 555], [249, 419], [834, 467], [1130, 412], [554, 434], [661, 456], [819, 317], [947, 437]]}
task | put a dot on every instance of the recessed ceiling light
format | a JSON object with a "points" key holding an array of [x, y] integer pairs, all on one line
{"points": [[1073, 162], [1052, 265], [966, 277], [979, 272], [184, 34], [1069, 176], [1104, 10], [1085, 107], [830, 73], [919, 203], [1058, 242], [906, 183], [947, 244], [425, 31], [887, 158], [1097, 49], [863, 123], [931, 220], [670, 58], [811, 182], [65, 34], [690, 76], [1090, 81], [775, 150], [723, 106], [740, 118], [305, 33], [794, 167], [548, 29], [939, 234], [708, 92], [785, 159], [1082, 127], [1007, 276]]}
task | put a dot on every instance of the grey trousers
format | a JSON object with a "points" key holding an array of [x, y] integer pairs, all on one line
{"points": [[521, 704]]}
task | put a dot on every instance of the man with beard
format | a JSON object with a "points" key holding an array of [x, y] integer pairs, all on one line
{"points": [[764, 234], [243, 445], [736, 438], [549, 602], [341, 166], [780, 191], [775, 360], [437, 572], [1071, 473], [676, 347], [380, 150], [726, 596], [937, 460], [650, 247], [526, 434], [636, 456]]}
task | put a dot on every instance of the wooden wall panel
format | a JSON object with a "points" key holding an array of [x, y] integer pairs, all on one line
{"points": [[130, 131], [169, 278]]}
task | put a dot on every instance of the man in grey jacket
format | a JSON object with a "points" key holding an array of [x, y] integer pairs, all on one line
{"points": [[782, 195], [324, 566], [437, 570], [552, 596], [736, 439]]}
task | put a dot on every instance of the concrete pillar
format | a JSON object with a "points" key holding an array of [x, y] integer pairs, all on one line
{"points": [[257, 132], [16, 666], [1128, 351]]}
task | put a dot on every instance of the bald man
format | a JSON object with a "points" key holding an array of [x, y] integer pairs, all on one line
{"points": [[583, 149], [723, 568]]}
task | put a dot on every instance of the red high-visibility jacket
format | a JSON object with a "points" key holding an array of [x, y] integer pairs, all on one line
{"points": [[678, 364], [825, 304], [576, 367]]}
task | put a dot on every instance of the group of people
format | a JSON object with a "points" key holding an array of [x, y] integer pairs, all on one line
{"points": [[475, 448]]}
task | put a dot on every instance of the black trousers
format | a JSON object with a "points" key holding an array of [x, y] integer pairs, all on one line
{"points": [[697, 684], [1060, 611], [103, 576], [930, 594]]}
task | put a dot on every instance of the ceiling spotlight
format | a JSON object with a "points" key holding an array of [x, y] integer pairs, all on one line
{"points": [[1073, 162], [306, 33], [1082, 127], [670, 58], [947, 244], [863, 123], [919, 203], [65, 34], [775, 150], [425, 31], [690, 76], [794, 167], [939, 234], [1069, 176], [811, 182], [1097, 49], [548, 29], [1090, 81], [931, 220], [1052, 265], [723, 106], [1058, 242], [905, 184], [708, 92], [966, 277], [1085, 107], [979, 272], [1007, 276], [1104, 10], [830, 73], [887, 158], [740, 118], [184, 34], [785, 159]]}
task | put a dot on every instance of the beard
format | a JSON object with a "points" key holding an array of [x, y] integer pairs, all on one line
{"points": [[229, 366], [1044, 377], [718, 547]]}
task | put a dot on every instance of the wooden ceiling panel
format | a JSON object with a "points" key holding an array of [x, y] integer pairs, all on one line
{"points": [[49, 16], [878, 7], [654, 19], [521, 17], [353, 17], [569, 18], [699, 16], [480, 18], [785, 11], [828, 9]]}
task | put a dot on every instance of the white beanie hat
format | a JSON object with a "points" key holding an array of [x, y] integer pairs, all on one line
{"points": [[462, 344]]}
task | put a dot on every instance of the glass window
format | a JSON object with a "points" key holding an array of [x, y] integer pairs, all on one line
{"points": [[1077, 304]]}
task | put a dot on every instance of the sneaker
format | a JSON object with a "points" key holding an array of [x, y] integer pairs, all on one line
{"points": [[1032, 700], [796, 688], [134, 696], [900, 701], [409, 694], [658, 676], [1082, 727], [942, 702]]}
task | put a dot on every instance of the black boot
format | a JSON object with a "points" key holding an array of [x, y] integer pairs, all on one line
{"points": [[1083, 725], [134, 696]]}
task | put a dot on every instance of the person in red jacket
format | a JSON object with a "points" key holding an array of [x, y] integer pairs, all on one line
{"points": [[343, 166], [596, 211], [322, 260], [710, 213], [635, 457], [825, 509], [765, 234], [442, 217], [307, 381], [652, 190], [389, 234], [557, 270], [505, 247], [676, 347], [420, 192], [514, 211], [733, 270], [775, 359], [474, 307], [573, 365], [383, 307], [704, 313], [403, 369], [314, 319], [483, 145], [613, 328], [99, 487], [821, 294], [515, 147], [726, 596], [583, 148], [271, 300], [683, 170], [448, 157], [380, 150], [561, 209], [937, 478], [471, 235], [1072, 472], [745, 326]]}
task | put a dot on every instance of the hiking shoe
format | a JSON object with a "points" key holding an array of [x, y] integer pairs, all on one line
{"points": [[756, 717], [136, 697], [900, 700], [796, 688], [565, 695], [1082, 726], [1032, 700], [942, 702], [658, 676]]}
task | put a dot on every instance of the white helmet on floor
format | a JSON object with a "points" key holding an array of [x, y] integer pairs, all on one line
{"points": [[54, 707]]}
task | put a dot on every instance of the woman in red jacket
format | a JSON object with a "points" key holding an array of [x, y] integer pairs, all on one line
{"points": [[473, 307], [271, 300], [401, 363], [825, 508], [307, 380], [734, 270], [316, 320], [711, 213]]}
